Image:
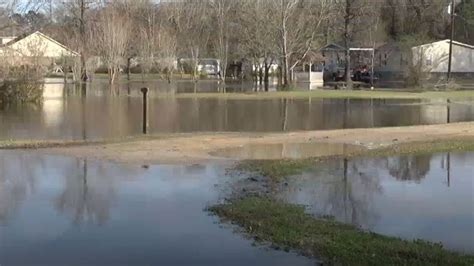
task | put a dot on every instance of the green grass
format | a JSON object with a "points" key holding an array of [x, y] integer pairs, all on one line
{"points": [[290, 228], [278, 169]]}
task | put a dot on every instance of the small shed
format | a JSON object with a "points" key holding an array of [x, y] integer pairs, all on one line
{"points": [[311, 69]]}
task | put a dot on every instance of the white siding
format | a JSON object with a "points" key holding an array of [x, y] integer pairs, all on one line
{"points": [[435, 57], [37, 45]]}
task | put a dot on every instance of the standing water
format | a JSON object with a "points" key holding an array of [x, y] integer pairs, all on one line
{"points": [[65, 211], [428, 197], [69, 113]]}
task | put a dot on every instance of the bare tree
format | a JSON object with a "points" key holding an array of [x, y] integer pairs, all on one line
{"points": [[112, 37], [299, 26], [77, 20], [258, 36], [221, 12], [352, 14], [189, 19]]}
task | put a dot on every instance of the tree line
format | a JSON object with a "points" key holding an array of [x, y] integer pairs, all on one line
{"points": [[261, 32]]}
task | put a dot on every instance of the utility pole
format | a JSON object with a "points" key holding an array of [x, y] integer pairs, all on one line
{"points": [[450, 60]]}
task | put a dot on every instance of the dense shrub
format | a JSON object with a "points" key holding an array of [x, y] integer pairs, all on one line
{"points": [[22, 85]]}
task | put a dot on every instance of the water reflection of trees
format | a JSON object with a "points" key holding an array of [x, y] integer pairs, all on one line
{"points": [[344, 190], [17, 181], [414, 167], [348, 189], [87, 197]]}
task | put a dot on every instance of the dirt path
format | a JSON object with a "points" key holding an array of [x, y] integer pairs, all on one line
{"points": [[198, 148]]}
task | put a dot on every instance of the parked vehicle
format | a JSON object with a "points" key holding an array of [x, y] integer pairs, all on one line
{"points": [[364, 76]]}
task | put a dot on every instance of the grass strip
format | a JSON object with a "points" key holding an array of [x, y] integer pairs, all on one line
{"points": [[288, 226]]}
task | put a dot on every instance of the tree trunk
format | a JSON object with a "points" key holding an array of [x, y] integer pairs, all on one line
{"points": [[284, 47], [347, 21], [266, 79], [128, 68], [112, 74], [82, 31]]}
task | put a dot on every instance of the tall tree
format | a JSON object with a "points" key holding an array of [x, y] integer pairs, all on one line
{"points": [[111, 35]]}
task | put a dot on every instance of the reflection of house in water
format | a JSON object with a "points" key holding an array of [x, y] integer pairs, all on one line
{"points": [[53, 104]]}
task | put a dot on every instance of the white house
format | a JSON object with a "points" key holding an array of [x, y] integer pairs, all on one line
{"points": [[37, 46], [434, 57]]}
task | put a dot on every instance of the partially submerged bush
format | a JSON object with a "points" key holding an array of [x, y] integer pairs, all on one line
{"points": [[22, 85]]}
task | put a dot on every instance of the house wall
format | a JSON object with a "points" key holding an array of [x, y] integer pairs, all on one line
{"points": [[36, 45], [435, 57], [390, 61], [315, 78]]}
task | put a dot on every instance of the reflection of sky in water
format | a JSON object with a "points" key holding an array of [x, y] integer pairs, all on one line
{"points": [[88, 212], [401, 196]]}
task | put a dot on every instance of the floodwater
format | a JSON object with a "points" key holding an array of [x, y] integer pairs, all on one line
{"points": [[64, 211], [69, 113], [428, 197], [287, 151]]}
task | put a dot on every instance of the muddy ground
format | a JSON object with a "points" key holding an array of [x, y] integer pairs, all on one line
{"points": [[202, 147]]}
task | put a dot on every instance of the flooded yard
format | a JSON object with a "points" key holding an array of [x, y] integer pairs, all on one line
{"points": [[65, 211], [56, 210], [428, 197], [68, 114]]}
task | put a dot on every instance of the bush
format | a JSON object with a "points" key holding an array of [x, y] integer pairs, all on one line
{"points": [[22, 85]]}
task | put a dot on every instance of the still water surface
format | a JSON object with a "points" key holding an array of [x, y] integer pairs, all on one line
{"points": [[58, 210], [64, 211], [427, 197], [67, 113]]}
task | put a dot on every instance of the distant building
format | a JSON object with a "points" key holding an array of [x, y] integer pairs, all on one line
{"points": [[434, 57], [390, 62], [35, 47], [209, 66]]}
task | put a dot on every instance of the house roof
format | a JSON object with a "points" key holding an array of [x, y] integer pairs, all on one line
{"points": [[23, 36], [332, 47], [447, 40]]}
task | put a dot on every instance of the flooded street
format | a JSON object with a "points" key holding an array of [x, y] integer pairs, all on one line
{"points": [[428, 197], [65, 211], [68, 114]]}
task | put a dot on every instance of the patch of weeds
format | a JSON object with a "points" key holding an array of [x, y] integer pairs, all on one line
{"points": [[288, 226]]}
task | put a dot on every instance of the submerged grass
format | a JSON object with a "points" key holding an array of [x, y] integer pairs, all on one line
{"points": [[278, 169], [288, 227], [337, 94], [39, 144]]}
